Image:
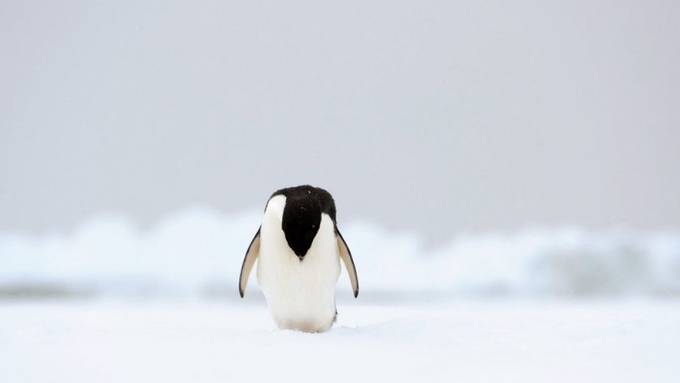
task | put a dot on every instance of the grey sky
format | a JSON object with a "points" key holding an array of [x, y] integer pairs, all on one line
{"points": [[431, 116]]}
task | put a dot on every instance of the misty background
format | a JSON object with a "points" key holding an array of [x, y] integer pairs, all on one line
{"points": [[430, 117], [474, 147]]}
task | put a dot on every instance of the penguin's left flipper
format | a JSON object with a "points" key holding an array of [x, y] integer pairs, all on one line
{"points": [[248, 261], [346, 257]]}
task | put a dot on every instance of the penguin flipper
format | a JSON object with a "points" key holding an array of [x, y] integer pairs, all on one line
{"points": [[248, 261], [346, 257]]}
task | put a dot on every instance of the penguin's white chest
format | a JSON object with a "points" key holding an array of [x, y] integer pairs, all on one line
{"points": [[300, 294]]}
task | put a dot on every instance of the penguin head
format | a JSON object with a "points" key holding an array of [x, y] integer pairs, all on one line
{"points": [[300, 223], [302, 215]]}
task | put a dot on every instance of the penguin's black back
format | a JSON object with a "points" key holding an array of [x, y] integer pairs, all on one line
{"points": [[302, 215], [323, 198]]}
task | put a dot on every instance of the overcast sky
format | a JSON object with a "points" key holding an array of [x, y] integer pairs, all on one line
{"points": [[426, 116]]}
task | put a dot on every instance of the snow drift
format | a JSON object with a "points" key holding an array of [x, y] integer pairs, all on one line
{"points": [[198, 252]]}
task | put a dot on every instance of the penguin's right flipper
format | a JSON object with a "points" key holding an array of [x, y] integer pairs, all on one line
{"points": [[248, 261]]}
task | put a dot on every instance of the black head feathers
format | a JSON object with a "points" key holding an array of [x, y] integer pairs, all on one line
{"points": [[302, 215]]}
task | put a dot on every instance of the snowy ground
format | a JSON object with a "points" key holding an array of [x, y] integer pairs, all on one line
{"points": [[503, 341], [113, 302]]}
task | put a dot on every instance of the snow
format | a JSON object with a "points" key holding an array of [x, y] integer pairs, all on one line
{"points": [[467, 341], [114, 302], [198, 252]]}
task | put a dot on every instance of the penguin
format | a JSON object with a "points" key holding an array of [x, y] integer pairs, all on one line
{"points": [[298, 249]]}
